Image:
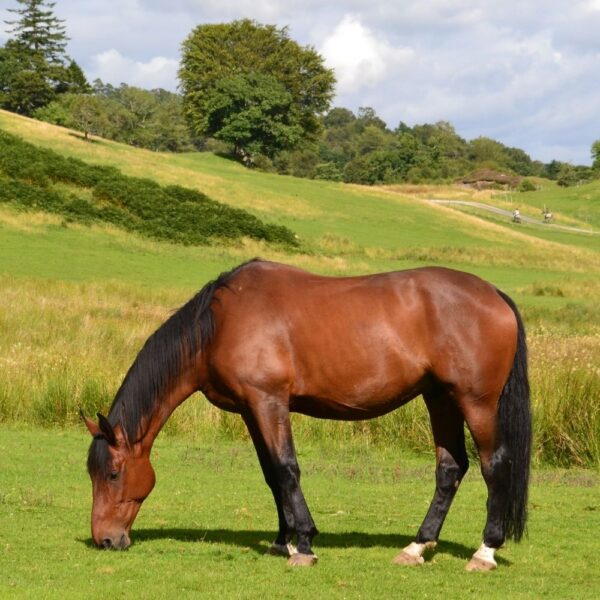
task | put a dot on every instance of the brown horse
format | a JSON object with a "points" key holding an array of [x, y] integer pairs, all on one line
{"points": [[265, 339]]}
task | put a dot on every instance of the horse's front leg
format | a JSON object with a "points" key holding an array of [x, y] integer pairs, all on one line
{"points": [[268, 421], [282, 546]]}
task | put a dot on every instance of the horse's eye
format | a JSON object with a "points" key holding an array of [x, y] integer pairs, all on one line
{"points": [[114, 475]]}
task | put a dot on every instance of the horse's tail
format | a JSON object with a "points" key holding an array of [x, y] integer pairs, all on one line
{"points": [[514, 417]]}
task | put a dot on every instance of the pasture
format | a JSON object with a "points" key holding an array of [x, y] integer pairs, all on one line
{"points": [[78, 302], [205, 528]]}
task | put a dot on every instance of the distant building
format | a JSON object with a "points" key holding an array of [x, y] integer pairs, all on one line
{"points": [[489, 179]]}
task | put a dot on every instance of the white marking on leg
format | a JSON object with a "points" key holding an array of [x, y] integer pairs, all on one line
{"points": [[291, 549], [486, 554], [283, 549], [417, 550]]}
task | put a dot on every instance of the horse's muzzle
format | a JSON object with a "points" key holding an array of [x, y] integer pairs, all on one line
{"points": [[121, 543]]}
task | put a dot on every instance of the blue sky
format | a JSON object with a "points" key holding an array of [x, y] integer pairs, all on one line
{"points": [[526, 73]]}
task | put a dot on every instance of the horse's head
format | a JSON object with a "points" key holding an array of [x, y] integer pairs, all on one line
{"points": [[122, 477]]}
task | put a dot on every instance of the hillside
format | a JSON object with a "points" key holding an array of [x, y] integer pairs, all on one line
{"points": [[359, 228], [36, 179]]}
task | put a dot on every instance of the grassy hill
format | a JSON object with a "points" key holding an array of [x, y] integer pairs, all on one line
{"points": [[78, 301]]}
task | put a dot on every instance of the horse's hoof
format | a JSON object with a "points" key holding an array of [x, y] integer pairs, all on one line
{"points": [[477, 564], [302, 560], [286, 550], [412, 555], [404, 558]]}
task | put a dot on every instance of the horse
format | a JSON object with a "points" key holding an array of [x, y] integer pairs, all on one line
{"points": [[266, 339]]}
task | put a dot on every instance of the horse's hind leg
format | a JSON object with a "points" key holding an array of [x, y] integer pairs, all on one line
{"points": [[269, 421], [452, 463], [496, 470]]}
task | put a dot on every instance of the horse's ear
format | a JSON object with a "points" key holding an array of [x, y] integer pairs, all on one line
{"points": [[92, 427], [107, 430]]}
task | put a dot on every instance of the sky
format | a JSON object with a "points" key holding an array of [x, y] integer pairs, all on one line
{"points": [[524, 72]]}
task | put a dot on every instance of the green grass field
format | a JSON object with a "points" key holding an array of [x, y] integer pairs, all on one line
{"points": [[204, 530], [78, 302]]}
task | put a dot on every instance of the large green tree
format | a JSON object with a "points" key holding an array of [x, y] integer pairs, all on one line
{"points": [[34, 66], [254, 114], [221, 60]]}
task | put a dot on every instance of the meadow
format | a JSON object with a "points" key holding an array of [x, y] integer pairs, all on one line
{"points": [[204, 530], [77, 303]]}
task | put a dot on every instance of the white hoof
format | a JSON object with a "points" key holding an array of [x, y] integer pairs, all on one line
{"points": [[413, 554], [482, 560]]}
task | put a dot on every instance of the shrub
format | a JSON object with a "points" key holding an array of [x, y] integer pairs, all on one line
{"points": [[329, 171], [527, 185], [171, 213]]}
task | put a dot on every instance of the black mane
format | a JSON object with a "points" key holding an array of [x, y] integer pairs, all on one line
{"points": [[159, 363]]}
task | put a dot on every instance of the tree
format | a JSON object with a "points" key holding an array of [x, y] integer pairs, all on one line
{"points": [[596, 156], [254, 113], [552, 169], [34, 67], [567, 175], [39, 31], [85, 113], [24, 80], [520, 162], [368, 117], [487, 152], [147, 119], [222, 59], [338, 117], [88, 115], [372, 138]]}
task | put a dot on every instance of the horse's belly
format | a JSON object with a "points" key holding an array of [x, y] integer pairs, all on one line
{"points": [[352, 407], [356, 382]]}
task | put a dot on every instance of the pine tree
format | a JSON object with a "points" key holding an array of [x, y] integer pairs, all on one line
{"points": [[39, 31], [34, 65]]}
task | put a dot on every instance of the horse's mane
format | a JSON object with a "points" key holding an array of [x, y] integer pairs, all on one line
{"points": [[158, 364]]}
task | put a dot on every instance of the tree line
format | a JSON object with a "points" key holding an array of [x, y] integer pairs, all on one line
{"points": [[249, 91]]}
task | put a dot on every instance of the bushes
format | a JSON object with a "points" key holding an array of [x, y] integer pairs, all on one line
{"points": [[171, 213], [527, 185]]}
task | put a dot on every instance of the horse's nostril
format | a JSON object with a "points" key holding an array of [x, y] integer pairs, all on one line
{"points": [[106, 543]]}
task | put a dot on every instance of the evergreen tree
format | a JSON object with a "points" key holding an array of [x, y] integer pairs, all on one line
{"points": [[38, 31], [34, 66]]}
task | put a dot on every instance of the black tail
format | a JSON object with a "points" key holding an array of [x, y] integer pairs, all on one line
{"points": [[514, 415]]}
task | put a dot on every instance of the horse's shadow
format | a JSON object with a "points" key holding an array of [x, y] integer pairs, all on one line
{"points": [[259, 541]]}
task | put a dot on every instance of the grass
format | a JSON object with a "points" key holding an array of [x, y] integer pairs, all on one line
{"points": [[205, 528], [578, 205]]}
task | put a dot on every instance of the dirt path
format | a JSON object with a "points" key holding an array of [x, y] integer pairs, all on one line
{"points": [[508, 213]]}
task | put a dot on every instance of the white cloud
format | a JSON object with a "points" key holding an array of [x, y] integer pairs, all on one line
{"points": [[359, 57], [113, 67]]}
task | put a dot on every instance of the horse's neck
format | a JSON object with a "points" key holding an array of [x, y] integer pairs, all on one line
{"points": [[186, 385]]}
